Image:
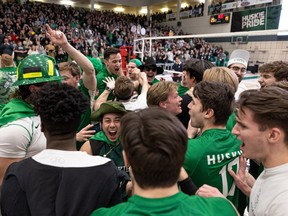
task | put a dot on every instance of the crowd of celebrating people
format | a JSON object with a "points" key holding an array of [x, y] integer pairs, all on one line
{"points": [[24, 32], [78, 136]]}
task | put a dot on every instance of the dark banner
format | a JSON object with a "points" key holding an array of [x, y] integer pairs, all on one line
{"points": [[256, 19], [273, 17]]}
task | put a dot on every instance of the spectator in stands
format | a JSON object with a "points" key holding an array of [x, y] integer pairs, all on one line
{"points": [[273, 72], [7, 78], [155, 161], [178, 65], [57, 180], [6, 48], [20, 52]]}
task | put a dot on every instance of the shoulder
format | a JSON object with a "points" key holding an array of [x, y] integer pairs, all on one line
{"points": [[117, 210], [212, 206]]}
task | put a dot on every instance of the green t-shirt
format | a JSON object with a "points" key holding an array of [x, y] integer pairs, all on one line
{"points": [[182, 89], [7, 78], [210, 156], [101, 75], [86, 116], [154, 81], [231, 121], [178, 204]]}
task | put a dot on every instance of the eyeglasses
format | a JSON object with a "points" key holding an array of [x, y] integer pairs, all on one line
{"points": [[242, 70]]}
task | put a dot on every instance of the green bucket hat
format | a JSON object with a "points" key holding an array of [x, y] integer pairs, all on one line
{"points": [[109, 107], [36, 68]]}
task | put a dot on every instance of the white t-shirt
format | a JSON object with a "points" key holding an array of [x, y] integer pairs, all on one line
{"points": [[138, 104], [22, 138], [269, 195], [241, 88]]}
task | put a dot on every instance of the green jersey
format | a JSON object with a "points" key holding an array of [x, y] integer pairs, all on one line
{"points": [[178, 204], [7, 78], [231, 121], [210, 156], [101, 75]]}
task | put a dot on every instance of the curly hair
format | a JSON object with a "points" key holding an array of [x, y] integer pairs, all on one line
{"points": [[279, 69], [60, 107]]}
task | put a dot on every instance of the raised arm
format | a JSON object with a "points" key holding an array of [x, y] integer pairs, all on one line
{"points": [[110, 85], [88, 76]]}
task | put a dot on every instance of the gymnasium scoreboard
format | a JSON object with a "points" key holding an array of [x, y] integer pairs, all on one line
{"points": [[220, 18]]}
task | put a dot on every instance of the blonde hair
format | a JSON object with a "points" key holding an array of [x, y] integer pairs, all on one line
{"points": [[221, 74], [160, 92]]}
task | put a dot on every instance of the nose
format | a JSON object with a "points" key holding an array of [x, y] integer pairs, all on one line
{"points": [[189, 105], [235, 130], [112, 124], [260, 80]]}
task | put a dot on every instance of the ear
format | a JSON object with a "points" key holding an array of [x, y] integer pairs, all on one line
{"points": [[105, 61], [77, 78], [193, 81], [126, 162], [33, 88], [275, 135], [163, 105], [209, 113]]}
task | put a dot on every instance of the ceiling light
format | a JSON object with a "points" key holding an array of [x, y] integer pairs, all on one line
{"points": [[184, 5], [164, 9], [119, 9], [143, 10], [97, 6], [67, 2]]}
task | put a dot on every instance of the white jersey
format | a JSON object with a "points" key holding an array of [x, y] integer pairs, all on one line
{"points": [[22, 138]]}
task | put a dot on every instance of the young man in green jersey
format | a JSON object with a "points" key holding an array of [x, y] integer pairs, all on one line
{"points": [[154, 145], [216, 150], [85, 82]]}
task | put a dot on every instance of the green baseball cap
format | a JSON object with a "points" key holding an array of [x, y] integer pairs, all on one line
{"points": [[36, 68], [108, 107], [136, 61]]}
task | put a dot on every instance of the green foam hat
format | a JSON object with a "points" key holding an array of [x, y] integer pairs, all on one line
{"points": [[36, 68], [108, 107]]}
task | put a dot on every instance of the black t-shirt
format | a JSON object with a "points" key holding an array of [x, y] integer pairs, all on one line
{"points": [[33, 188], [184, 116]]}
